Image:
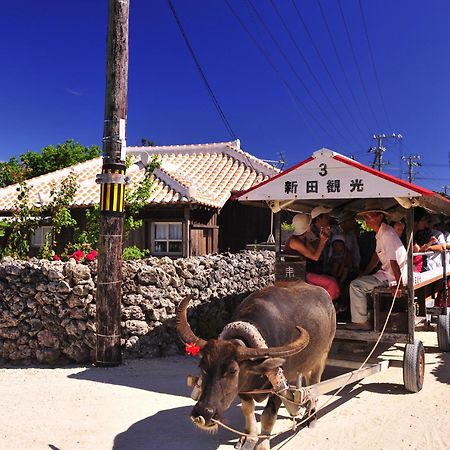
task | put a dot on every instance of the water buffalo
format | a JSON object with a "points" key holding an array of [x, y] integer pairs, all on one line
{"points": [[237, 361]]}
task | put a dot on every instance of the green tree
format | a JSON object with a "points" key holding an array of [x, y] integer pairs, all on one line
{"points": [[50, 158], [25, 221], [58, 209], [12, 172], [54, 158], [147, 142], [28, 218]]}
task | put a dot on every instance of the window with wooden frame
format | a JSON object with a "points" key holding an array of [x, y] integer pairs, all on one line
{"points": [[38, 237], [167, 238]]}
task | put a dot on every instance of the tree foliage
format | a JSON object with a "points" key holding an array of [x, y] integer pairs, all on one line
{"points": [[27, 218], [58, 209], [54, 158], [12, 172], [147, 142], [50, 158], [25, 222]]}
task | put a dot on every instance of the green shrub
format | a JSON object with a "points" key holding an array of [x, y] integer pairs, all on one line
{"points": [[285, 226], [133, 252]]}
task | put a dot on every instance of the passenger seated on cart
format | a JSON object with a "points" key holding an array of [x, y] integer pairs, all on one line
{"points": [[340, 260], [434, 224], [320, 221], [447, 231], [390, 252], [399, 227], [349, 229], [423, 236], [311, 250]]}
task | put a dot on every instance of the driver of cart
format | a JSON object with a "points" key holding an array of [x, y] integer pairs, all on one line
{"points": [[301, 243], [390, 252]]}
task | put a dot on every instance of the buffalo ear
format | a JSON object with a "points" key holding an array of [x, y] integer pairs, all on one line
{"points": [[265, 366]]}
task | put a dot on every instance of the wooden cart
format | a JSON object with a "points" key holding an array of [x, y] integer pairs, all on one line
{"points": [[330, 179]]}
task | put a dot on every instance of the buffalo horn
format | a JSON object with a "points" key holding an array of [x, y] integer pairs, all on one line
{"points": [[276, 352], [183, 328]]}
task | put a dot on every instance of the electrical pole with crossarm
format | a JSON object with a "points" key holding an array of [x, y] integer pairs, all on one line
{"points": [[112, 182], [411, 161], [379, 149]]}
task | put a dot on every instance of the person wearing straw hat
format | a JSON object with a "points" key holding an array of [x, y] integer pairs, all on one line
{"points": [[390, 252], [298, 243]]}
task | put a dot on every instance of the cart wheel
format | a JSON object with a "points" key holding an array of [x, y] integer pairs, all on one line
{"points": [[443, 332], [414, 366]]}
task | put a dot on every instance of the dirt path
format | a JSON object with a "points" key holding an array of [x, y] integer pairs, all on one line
{"points": [[145, 405]]}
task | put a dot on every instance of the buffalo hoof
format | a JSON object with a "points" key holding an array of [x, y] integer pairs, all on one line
{"points": [[246, 443]]}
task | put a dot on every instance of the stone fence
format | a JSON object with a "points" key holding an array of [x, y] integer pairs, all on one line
{"points": [[47, 308]]}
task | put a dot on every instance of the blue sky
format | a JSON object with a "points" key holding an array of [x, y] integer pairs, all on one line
{"points": [[307, 97]]}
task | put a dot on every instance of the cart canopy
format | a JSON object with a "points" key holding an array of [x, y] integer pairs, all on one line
{"points": [[336, 181]]}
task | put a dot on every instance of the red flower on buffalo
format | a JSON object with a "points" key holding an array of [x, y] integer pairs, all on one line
{"points": [[192, 348], [56, 258]]}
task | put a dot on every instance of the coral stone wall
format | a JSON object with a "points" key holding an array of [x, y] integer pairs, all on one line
{"points": [[47, 308]]}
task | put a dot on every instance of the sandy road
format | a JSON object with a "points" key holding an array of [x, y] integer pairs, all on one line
{"points": [[145, 404]]}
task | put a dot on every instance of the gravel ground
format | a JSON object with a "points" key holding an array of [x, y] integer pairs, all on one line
{"points": [[145, 405]]}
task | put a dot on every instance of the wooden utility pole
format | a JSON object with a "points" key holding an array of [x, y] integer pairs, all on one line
{"points": [[112, 193], [411, 161], [379, 149]]}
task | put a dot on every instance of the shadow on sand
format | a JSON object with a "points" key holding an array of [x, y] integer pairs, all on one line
{"points": [[441, 371], [162, 375], [174, 432], [171, 428]]}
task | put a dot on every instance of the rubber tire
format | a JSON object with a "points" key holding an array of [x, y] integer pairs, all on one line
{"points": [[414, 366], [443, 332]]}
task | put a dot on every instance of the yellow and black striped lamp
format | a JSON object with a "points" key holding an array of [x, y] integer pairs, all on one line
{"points": [[112, 182]]}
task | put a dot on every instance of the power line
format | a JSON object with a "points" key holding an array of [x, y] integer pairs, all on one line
{"points": [[341, 65], [355, 60], [373, 63], [294, 71], [202, 73], [314, 76], [283, 81], [324, 64]]}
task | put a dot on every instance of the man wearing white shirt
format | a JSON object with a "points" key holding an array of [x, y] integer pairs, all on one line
{"points": [[390, 252]]}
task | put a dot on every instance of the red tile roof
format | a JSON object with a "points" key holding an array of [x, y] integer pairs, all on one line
{"points": [[203, 174]]}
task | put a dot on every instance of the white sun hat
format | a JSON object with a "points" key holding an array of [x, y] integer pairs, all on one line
{"points": [[318, 210], [301, 223]]}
